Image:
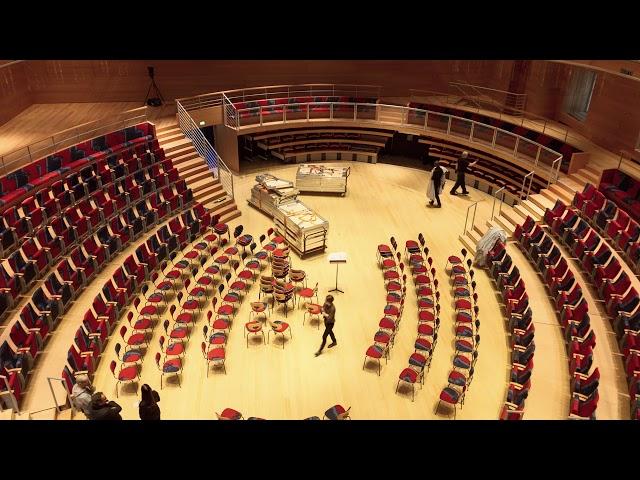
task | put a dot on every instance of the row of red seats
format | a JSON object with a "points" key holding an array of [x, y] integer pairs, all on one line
{"points": [[572, 308], [428, 301], [395, 286], [623, 189], [521, 328], [109, 305], [466, 330], [85, 190], [44, 311], [45, 171], [103, 220], [612, 221], [611, 282]]}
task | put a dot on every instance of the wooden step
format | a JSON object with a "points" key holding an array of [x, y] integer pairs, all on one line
{"points": [[595, 171], [541, 201], [176, 146], [164, 128], [523, 212], [468, 243], [534, 210], [480, 229], [48, 414], [213, 191], [504, 223], [221, 207], [171, 136], [593, 178], [513, 216], [570, 185], [227, 217], [67, 415], [580, 179], [561, 193], [191, 164], [194, 172], [6, 414], [185, 157], [196, 177], [203, 184], [549, 195]]}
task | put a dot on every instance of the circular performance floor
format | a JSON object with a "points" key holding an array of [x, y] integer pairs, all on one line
{"points": [[270, 382]]}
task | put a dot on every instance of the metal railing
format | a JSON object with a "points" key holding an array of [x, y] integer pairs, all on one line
{"points": [[495, 197], [500, 98], [216, 166], [535, 155], [516, 117], [524, 196], [474, 205], [71, 136], [278, 91], [9, 393]]}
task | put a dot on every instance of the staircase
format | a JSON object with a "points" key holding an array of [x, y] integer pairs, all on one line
{"points": [[564, 189], [191, 166]]}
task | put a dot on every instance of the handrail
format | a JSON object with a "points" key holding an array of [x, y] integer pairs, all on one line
{"points": [[495, 197], [55, 400], [473, 221], [216, 166], [471, 130], [70, 136], [524, 180], [557, 162], [14, 402]]}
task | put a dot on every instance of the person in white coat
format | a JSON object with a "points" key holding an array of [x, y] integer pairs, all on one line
{"points": [[436, 183]]}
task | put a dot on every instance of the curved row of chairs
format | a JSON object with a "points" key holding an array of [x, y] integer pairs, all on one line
{"points": [[610, 220], [467, 336], [623, 189], [42, 172], [35, 324], [521, 329], [390, 261], [80, 224], [612, 284], [571, 307], [428, 301]]}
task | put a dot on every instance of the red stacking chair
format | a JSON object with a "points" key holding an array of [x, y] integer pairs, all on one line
{"points": [[128, 374], [215, 355], [168, 367]]}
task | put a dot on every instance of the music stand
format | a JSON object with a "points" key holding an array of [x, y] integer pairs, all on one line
{"points": [[337, 258]]}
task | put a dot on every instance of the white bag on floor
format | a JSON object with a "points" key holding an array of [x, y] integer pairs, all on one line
{"points": [[487, 242]]}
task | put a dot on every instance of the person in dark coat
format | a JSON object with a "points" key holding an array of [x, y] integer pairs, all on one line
{"points": [[103, 409], [148, 408], [329, 314], [461, 169]]}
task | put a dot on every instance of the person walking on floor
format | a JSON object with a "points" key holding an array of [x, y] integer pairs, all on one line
{"points": [[461, 169], [436, 184], [148, 407], [329, 314]]}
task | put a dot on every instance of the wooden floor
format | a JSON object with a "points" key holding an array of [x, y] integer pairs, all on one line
{"points": [[290, 383], [275, 383], [39, 121]]}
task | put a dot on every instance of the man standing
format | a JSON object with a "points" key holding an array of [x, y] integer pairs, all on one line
{"points": [[461, 169], [329, 314], [436, 183], [81, 393]]}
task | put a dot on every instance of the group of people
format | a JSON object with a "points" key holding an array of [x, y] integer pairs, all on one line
{"points": [[96, 406], [436, 184]]}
